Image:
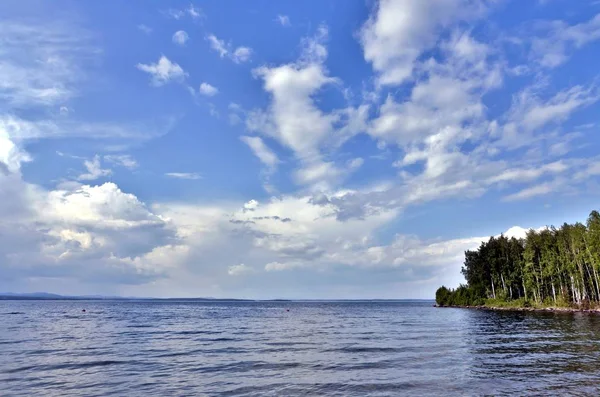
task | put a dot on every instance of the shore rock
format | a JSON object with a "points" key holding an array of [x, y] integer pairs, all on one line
{"points": [[529, 309]]}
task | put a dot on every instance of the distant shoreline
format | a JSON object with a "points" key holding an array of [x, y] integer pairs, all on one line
{"points": [[52, 297], [526, 309]]}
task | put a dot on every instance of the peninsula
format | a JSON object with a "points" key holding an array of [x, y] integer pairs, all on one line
{"points": [[549, 269]]}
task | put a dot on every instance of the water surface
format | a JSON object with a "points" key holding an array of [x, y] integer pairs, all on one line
{"points": [[165, 348]]}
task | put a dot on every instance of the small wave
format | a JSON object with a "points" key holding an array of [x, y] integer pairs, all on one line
{"points": [[11, 313], [220, 339], [43, 351], [179, 354], [49, 367], [359, 389], [289, 343], [11, 342], [246, 366], [383, 364], [365, 349], [198, 332]]}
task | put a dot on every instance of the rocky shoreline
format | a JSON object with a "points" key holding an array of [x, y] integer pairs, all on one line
{"points": [[528, 309]]}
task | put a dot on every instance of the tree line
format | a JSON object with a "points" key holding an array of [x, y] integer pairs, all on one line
{"points": [[548, 267]]}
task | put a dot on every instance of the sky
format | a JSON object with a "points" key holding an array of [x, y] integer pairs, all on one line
{"points": [[259, 149]]}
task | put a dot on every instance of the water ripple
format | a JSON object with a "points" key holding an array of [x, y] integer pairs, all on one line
{"points": [[158, 348]]}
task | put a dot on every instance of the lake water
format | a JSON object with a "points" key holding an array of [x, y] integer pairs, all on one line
{"points": [[158, 348]]}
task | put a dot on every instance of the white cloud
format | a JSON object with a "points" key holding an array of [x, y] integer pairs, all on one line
{"points": [[239, 270], [235, 113], [294, 119], [260, 150], [191, 11], [315, 172], [529, 174], [283, 20], [104, 206], [237, 55], [80, 234], [208, 90], [399, 31], [558, 39], [437, 129], [100, 234], [194, 12], [356, 163], [251, 205], [217, 45], [163, 71], [94, 170], [277, 266], [22, 130], [531, 112], [180, 37], [241, 54], [144, 28], [123, 160], [11, 156], [533, 191], [313, 48], [184, 175], [42, 62]]}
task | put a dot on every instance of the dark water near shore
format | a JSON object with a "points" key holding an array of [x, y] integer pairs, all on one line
{"points": [[51, 348]]}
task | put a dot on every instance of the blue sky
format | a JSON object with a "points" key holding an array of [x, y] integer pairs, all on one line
{"points": [[287, 149]]}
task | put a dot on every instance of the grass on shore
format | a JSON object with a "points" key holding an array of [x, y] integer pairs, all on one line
{"points": [[529, 304]]}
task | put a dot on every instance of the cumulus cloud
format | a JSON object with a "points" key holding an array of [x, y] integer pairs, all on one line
{"points": [[180, 37], [163, 71], [241, 54], [217, 45], [94, 170], [208, 90], [294, 119], [428, 109], [237, 55], [251, 205], [399, 31], [90, 234]]}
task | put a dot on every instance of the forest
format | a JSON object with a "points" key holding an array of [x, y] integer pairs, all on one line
{"points": [[549, 267]]}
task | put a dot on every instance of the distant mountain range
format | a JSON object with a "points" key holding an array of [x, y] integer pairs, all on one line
{"points": [[46, 295]]}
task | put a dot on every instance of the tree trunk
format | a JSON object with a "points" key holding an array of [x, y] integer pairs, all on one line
{"points": [[587, 268], [493, 289], [587, 248]]}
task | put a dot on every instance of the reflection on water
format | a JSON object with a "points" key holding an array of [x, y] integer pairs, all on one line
{"points": [[52, 348]]}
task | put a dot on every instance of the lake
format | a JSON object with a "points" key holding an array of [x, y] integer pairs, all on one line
{"points": [[169, 348]]}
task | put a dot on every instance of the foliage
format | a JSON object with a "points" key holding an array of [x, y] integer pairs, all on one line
{"points": [[551, 267]]}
